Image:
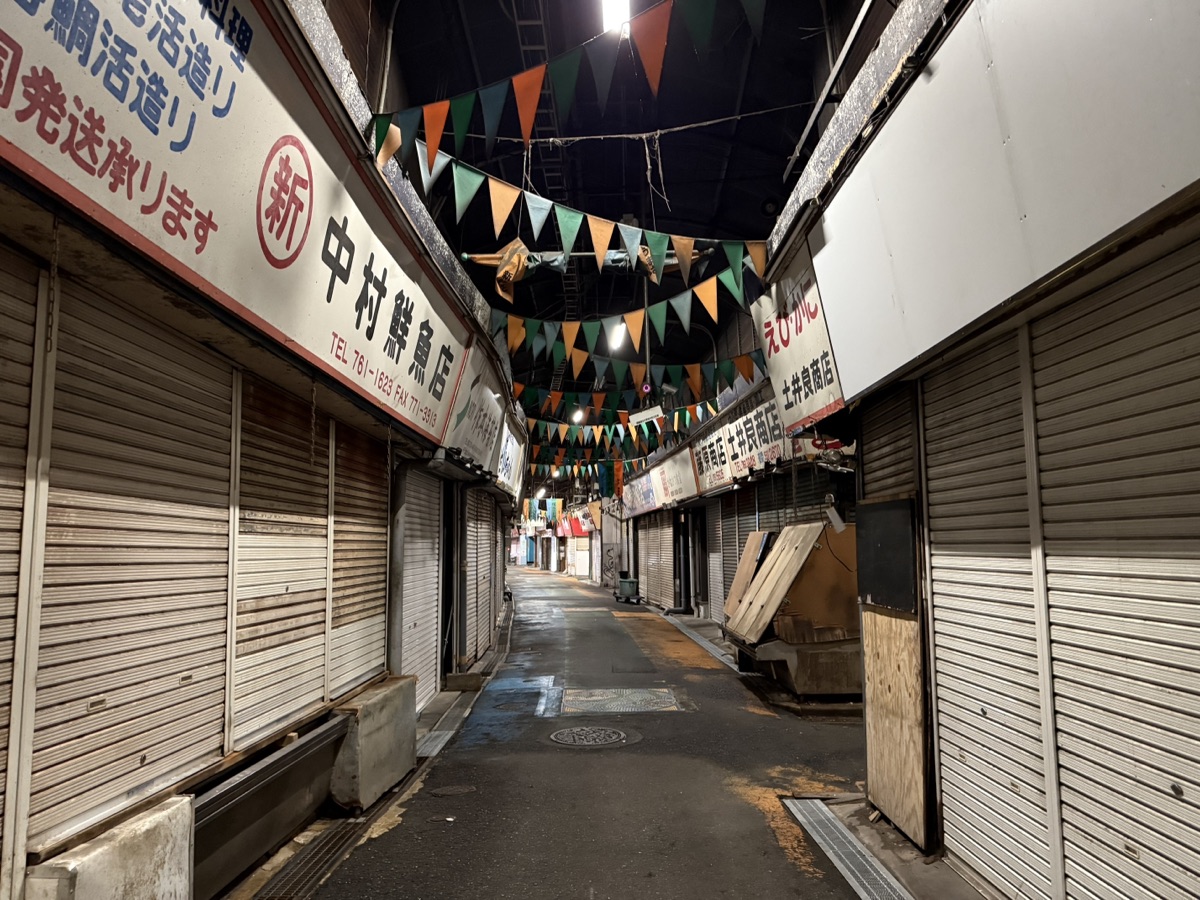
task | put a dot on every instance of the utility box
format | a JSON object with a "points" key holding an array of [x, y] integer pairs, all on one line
{"points": [[627, 587]]}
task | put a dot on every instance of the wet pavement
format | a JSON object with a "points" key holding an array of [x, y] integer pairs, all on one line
{"points": [[686, 806]]}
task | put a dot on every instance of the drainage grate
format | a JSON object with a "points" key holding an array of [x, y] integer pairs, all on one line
{"points": [[302, 874], [588, 736], [870, 880], [577, 702]]}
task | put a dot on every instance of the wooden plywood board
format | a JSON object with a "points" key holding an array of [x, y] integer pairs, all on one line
{"points": [[770, 586], [895, 720], [745, 572], [822, 603]]}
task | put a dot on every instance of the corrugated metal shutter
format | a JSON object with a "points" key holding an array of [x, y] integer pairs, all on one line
{"points": [[664, 561], [485, 552], [644, 532], [501, 543], [716, 561], [731, 547], [474, 581], [282, 562], [18, 308], [570, 564], [131, 669], [422, 581], [1118, 425], [747, 516], [985, 650], [770, 510], [358, 644], [889, 442], [583, 557]]}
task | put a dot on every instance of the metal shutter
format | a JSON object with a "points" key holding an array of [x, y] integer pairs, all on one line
{"points": [[501, 542], [889, 441], [358, 643], [131, 668], [731, 549], [422, 581], [471, 554], [644, 531], [283, 563], [985, 650], [18, 309], [1118, 425], [770, 512], [583, 557], [715, 561], [485, 530], [569, 568], [747, 516]]}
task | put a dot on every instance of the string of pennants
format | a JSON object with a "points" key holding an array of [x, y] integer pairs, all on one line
{"points": [[647, 33], [680, 419]]}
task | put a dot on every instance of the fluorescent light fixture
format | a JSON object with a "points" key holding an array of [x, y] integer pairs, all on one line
{"points": [[541, 493], [615, 12], [577, 417], [618, 336], [554, 474]]}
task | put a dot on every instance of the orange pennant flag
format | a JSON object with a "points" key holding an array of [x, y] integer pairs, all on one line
{"points": [[624, 414], [758, 255], [598, 399], [559, 457], [516, 333], [692, 411], [527, 88], [602, 230], [531, 423], [634, 322], [518, 390], [745, 365], [639, 374], [649, 34], [555, 400], [597, 430], [683, 247], [587, 454], [706, 291], [562, 432], [435, 124], [578, 357], [504, 196], [569, 331], [695, 379]]}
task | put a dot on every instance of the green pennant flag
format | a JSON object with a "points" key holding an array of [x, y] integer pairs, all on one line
{"points": [[726, 369], [550, 329], [558, 353], [698, 16], [409, 123], [754, 15], [657, 373], [572, 433], [735, 252], [491, 99], [682, 304], [461, 108], [601, 365], [658, 318], [630, 398], [466, 183], [709, 371], [602, 55], [499, 320], [569, 221], [380, 125], [675, 375], [657, 242], [539, 345], [620, 370], [759, 360], [533, 328], [564, 72], [725, 276], [591, 331]]}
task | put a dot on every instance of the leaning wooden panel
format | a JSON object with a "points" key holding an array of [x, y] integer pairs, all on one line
{"points": [[745, 572], [895, 719], [770, 586]]}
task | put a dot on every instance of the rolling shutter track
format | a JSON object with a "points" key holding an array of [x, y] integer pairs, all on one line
{"points": [[985, 651], [358, 643], [282, 562], [131, 670]]}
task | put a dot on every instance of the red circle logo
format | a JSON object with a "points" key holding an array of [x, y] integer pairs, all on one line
{"points": [[283, 213]]}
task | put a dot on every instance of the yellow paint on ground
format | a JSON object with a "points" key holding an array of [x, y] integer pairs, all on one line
{"points": [[759, 710], [625, 614], [663, 642]]}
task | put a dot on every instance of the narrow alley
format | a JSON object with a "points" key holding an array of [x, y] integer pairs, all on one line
{"points": [[675, 809]]}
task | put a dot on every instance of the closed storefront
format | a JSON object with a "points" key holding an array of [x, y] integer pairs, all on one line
{"points": [[583, 556], [481, 581], [131, 667], [731, 549], [715, 561], [422, 582], [656, 560]]}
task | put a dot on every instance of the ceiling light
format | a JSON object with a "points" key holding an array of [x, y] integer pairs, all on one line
{"points": [[617, 338], [577, 417], [615, 13], [541, 493], [554, 474]]}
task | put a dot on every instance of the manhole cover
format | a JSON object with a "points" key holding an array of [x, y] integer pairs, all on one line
{"points": [[588, 736]]}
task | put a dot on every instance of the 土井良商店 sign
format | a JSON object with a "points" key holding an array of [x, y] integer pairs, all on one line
{"points": [[183, 127]]}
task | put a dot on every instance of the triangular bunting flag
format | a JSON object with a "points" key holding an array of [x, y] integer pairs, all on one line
{"points": [[381, 127], [601, 365], [491, 99], [591, 331], [683, 247], [527, 89], [620, 370], [759, 360], [631, 237], [725, 276], [550, 329], [758, 256], [533, 327], [709, 370], [682, 304], [539, 345], [707, 292], [518, 389], [504, 197], [461, 108], [735, 252], [569, 221], [695, 380], [435, 124], [564, 72], [579, 356], [726, 369], [624, 414], [698, 16], [558, 353], [466, 183], [539, 211], [745, 366], [408, 121], [657, 242], [597, 430], [658, 318], [602, 57], [657, 373], [555, 401], [630, 397], [499, 319], [649, 34], [601, 230], [639, 376], [570, 330], [754, 15], [634, 321], [598, 400], [562, 432], [675, 375], [429, 178], [516, 333]]}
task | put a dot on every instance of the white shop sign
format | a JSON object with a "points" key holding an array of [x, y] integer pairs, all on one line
{"points": [[475, 422], [182, 126], [639, 495], [755, 440], [712, 462], [796, 346], [674, 479], [511, 462]]}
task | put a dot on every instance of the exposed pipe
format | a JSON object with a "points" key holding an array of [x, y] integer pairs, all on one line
{"points": [[387, 57]]}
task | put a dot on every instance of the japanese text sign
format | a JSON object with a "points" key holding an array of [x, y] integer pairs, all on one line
{"points": [[755, 440], [674, 479], [712, 462]]}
